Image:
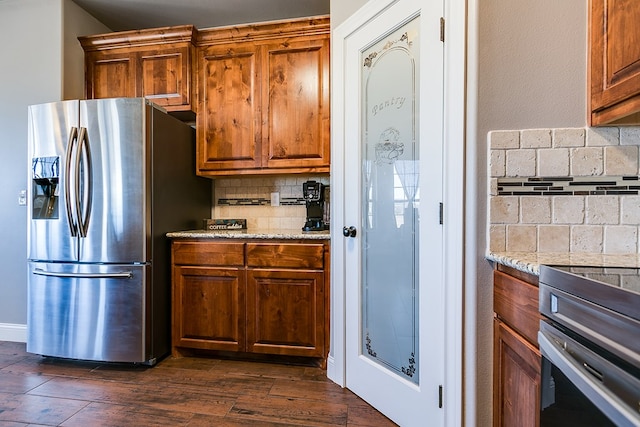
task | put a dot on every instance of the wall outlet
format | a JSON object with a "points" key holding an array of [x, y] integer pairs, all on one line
{"points": [[22, 198], [275, 199]]}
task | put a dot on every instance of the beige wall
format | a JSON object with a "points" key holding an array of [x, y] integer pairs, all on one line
{"points": [[532, 71], [531, 74]]}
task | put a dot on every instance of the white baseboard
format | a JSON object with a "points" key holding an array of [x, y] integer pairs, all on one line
{"points": [[13, 332], [331, 371]]}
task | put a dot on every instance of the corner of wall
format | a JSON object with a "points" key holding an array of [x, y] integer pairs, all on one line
{"points": [[75, 22]]}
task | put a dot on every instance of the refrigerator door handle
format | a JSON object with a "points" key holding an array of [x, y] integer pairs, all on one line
{"points": [[73, 138], [83, 154], [121, 275]]}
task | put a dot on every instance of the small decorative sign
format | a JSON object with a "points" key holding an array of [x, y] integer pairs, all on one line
{"points": [[225, 224]]}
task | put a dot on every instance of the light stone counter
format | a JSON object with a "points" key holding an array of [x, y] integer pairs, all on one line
{"points": [[529, 262], [292, 234]]}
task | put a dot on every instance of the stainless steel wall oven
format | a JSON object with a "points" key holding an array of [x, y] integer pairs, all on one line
{"points": [[590, 343]]}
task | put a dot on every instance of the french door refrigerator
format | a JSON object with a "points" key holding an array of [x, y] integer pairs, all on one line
{"points": [[108, 179]]}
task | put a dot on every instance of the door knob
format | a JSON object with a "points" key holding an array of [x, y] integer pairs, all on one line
{"points": [[349, 231]]}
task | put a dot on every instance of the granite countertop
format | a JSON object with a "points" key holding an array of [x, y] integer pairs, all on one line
{"points": [[251, 234], [529, 262]]}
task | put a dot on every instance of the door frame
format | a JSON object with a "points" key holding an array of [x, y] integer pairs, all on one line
{"points": [[454, 130]]}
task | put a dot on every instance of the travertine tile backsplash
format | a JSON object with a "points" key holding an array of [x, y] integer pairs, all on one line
{"points": [[249, 198], [564, 190]]}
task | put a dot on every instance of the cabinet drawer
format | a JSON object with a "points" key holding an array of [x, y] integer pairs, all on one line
{"points": [[515, 302], [208, 253], [285, 255]]}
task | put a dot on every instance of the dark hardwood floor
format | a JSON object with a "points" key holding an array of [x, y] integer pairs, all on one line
{"points": [[194, 392]]}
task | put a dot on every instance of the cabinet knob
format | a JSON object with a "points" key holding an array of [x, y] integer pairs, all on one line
{"points": [[349, 231]]}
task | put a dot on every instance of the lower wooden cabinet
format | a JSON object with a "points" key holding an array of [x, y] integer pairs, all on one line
{"points": [[250, 297], [209, 309], [285, 312], [516, 358], [517, 365]]}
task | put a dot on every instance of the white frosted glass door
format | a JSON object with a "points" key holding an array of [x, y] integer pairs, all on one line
{"points": [[390, 200], [393, 103]]}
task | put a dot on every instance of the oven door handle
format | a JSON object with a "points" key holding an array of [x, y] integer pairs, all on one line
{"points": [[557, 348]]}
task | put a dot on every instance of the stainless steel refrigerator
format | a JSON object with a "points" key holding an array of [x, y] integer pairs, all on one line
{"points": [[108, 179]]}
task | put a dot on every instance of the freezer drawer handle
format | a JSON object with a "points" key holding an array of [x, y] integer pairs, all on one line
{"points": [[121, 275]]}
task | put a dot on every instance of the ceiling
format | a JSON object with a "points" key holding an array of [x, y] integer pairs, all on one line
{"points": [[120, 15]]}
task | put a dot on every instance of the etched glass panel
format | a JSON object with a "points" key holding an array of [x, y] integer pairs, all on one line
{"points": [[390, 197]]}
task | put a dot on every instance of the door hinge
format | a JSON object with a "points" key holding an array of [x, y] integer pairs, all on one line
{"points": [[441, 213], [441, 29], [439, 396]]}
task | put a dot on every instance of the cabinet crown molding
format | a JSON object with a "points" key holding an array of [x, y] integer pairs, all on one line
{"points": [[146, 37], [308, 26], [300, 27]]}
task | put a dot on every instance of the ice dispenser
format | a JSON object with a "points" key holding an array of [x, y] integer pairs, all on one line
{"points": [[45, 178]]}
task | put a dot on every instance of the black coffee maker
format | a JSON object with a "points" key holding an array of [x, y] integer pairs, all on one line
{"points": [[317, 206]]}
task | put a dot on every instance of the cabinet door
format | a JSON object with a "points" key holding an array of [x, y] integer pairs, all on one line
{"points": [[615, 61], [296, 110], [228, 121], [110, 75], [209, 308], [516, 379], [165, 76], [285, 312]]}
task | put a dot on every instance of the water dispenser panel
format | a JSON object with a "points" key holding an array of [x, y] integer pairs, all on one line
{"points": [[45, 179]]}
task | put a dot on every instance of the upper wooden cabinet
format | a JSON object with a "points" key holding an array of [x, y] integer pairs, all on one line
{"points": [[155, 64], [614, 62], [263, 98], [262, 89], [229, 125]]}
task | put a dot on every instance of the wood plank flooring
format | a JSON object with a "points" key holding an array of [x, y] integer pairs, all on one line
{"points": [[193, 392]]}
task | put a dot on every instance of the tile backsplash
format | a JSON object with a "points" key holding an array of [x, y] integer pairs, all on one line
{"points": [[249, 198], [564, 190]]}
